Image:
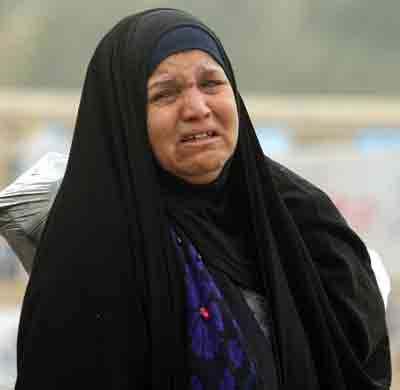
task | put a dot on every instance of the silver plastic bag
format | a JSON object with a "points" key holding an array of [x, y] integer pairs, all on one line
{"points": [[25, 203]]}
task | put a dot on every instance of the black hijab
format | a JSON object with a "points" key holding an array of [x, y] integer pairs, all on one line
{"points": [[104, 307]]}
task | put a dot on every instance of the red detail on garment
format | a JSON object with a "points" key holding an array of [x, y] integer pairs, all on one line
{"points": [[204, 313]]}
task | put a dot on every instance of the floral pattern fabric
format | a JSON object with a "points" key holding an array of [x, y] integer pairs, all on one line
{"points": [[218, 359]]}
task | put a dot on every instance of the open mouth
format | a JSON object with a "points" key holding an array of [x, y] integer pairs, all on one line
{"points": [[199, 136]]}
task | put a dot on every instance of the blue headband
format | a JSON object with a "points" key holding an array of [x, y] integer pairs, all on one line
{"points": [[183, 39]]}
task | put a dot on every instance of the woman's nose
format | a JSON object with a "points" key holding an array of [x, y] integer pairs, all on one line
{"points": [[195, 104]]}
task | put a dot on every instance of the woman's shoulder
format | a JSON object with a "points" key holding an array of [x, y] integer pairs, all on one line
{"points": [[289, 182], [304, 199]]}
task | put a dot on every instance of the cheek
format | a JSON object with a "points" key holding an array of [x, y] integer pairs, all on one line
{"points": [[236, 123], [232, 121], [160, 139], [226, 106]]}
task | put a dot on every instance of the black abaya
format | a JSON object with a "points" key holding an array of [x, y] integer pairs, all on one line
{"points": [[104, 307]]}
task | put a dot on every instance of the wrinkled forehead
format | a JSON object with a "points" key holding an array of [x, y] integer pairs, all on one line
{"points": [[186, 65]]}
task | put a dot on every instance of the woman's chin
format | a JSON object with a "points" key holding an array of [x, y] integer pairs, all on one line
{"points": [[204, 174]]}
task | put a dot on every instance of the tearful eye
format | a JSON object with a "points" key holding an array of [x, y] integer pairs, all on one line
{"points": [[160, 95], [211, 83], [163, 96]]}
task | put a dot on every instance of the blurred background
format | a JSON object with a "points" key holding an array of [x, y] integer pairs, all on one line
{"points": [[320, 80]]}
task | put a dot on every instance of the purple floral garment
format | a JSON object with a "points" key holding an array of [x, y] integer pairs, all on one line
{"points": [[216, 350]]}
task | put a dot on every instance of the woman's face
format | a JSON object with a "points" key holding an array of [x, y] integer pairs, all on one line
{"points": [[192, 117]]}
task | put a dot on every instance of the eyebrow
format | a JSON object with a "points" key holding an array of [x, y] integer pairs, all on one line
{"points": [[162, 84], [170, 82]]}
